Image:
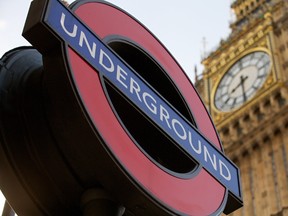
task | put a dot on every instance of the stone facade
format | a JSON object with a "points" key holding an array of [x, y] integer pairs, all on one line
{"points": [[255, 136]]}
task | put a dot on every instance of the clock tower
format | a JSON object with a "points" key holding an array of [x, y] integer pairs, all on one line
{"points": [[245, 87]]}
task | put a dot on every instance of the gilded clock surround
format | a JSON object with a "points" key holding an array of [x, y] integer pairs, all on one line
{"points": [[214, 78], [224, 74], [258, 37]]}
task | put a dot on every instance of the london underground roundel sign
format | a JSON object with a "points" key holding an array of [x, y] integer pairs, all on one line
{"points": [[149, 119]]}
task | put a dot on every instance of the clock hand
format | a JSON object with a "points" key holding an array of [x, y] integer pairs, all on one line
{"points": [[226, 101], [242, 80]]}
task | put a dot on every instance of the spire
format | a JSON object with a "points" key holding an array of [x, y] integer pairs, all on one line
{"points": [[204, 42], [196, 73]]}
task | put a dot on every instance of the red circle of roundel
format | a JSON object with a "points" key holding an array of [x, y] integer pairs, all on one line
{"points": [[198, 195]]}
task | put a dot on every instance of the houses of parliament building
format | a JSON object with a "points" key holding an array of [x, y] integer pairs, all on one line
{"points": [[245, 88]]}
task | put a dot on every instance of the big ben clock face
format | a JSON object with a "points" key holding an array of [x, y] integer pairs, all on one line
{"points": [[241, 82]]}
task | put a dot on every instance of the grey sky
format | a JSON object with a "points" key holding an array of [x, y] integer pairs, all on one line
{"points": [[180, 26]]}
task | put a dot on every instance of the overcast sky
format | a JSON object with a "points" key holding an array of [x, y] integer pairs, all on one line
{"points": [[179, 25]]}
